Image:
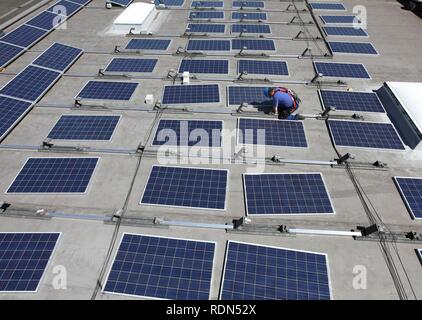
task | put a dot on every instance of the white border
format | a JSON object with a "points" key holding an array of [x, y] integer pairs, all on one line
{"points": [[354, 53], [368, 148], [273, 247], [265, 74], [345, 35], [205, 23], [192, 103], [214, 74], [46, 266], [186, 207], [104, 99], [157, 236], [130, 72], [287, 214], [352, 78], [68, 66], [404, 198], [54, 193]]}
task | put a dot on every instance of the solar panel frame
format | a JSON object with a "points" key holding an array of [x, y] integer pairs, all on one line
{"points": [[211, 286], [203, 68], [81, 2], [187, 207], [206, 15], [223, 278], [330, 201], [9, 53], [344, 31], [248, 4], [359, 48], [341, 64], [264, 103], [191, 87], [413, 215], [208, 45], [51, 257], [379, 109], [43, 20], [44, 64], [250, 28], [121, 3], [336, 19], [248, 16], [270, 44], [71, 8], [78, 96], [23, 32], [160, 44], [281, 69], [206, 28], [150, 65], [7, 124], [87, 188], [419, 253], [369, 148], [315, 5]]}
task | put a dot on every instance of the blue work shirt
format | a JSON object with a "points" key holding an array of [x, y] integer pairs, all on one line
{"points": [[282, 100]]}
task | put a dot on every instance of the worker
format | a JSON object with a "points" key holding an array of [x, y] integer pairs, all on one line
{"points": [[285, 102]]}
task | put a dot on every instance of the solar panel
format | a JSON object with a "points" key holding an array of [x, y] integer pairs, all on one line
{"points": [[81, 2], [148, 44], [282, 133], [121, 3], [342, 70], [206, 15], [411, 192], [208, 45], [200, 133], [251, 44], [365, 135], [345, 31], [160, 267], [58, 57], [31, 83], [46, 20], [65, 8], [207, 4], [419, 253], [186, 187], [107, 90], [263, 67], [351, 100], [11, 110], [54, 175], [251, 95], [206, 27], [251, 28], [205, 66], [248, 4], [131, 65], [352, 47], [340, 19], [198, 93], [83, 127], [24, 36], [8, 53], [256, 272], [170, 3], [249, 16], [24, 258], [327, 6]]}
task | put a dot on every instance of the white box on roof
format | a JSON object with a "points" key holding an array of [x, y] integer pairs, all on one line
{"points": [[138, 16]]}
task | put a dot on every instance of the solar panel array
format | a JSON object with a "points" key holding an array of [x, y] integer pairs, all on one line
{"points": [[205, 66], [263, 67], [352, 47], [8, 53], [286, 194], [131, 65], [54, 175], [327, 6], [342, 70], [248, 4], [107, 90], [249, 16], [188, 133], [351, 100], [257, 272], [339, 19], [206, 27], [251, 95], [58, 57], [24, 258], [411, 191], [148, 44], [46, 20], [159, 267], [186, 187], [345, 31], [179, 94], [365, 135], [207, 4], [11, 111], [206, 15], [251, 28]]}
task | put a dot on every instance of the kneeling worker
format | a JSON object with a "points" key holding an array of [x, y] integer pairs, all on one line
{"points": [[285, 101]]}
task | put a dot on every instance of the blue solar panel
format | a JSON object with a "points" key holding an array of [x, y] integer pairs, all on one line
{"points": [[352, 101], [263, 67], [24, 258], [8, 53], [81, 2], [327, 6], [352, 47], [251, 44], [175, 3], [54, 175], [206, 15], [249, 16], [206, 27], [340, 19], [11, 110], [148, 44], [411, 191], [208, 45], [83, 127], [186, 187], [131, 65], [365, 135], [24, 36], [251, 95], [122, 3], [65, 8], [286, 193], [58, 57], [200, 133], [205, 66], [255, 272], [283, 133], [107, 90], [207, 4], [251, 28], [248, 4], [31, 83], [177, 94], [342, 70], [46, 20], [345, 31], [165, 268]]}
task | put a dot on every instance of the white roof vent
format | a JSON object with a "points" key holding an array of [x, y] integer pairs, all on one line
{"points": [[137, 17]]}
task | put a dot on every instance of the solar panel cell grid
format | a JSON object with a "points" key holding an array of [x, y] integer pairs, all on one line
{"points": [[411, 191], [251, 28], [148, 44], [81, 2], [178, 94], [345, 31], [327, 6], [250, 44], [248, 4], [263, 67], [206, 15], [352, 101], [65, 8], [8, 53], [175, 3], [46, 20], [11, 110], [207, 4], [131, 65], [24, 36], [204, 66], [344, 19], [58, 57], [249, 16], [107, 90], [251, 95], [342, 70], [206, 28], [208, 45], [352, 47]]}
